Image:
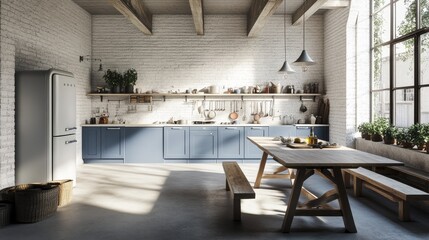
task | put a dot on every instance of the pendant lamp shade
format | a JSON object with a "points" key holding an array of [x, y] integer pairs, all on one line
{"points": [[304, 60], [286, 68]]}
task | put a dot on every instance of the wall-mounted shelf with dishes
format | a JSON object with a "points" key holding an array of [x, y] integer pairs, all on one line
{"points": [[164, 96]]}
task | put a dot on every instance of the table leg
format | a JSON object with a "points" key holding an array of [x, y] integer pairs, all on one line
{"points": [[344, 201], [261, 170], [293, 199]]}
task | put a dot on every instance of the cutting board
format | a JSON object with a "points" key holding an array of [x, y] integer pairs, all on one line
{"points": [[298, 145]]}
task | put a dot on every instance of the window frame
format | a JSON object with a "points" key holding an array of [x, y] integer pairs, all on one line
{"points": [[416, 36]]}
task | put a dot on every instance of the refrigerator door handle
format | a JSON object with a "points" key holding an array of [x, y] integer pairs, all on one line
{"points": [[72, 128], [71, 141]]}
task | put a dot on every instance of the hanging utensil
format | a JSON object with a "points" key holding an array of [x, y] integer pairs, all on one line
{"points": [[244, 112], [261, 113], [303, 108], [266, 112]]}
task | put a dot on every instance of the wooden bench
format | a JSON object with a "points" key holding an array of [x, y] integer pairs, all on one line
{"points": [[388, 188], [413, 176], [237, 183]]}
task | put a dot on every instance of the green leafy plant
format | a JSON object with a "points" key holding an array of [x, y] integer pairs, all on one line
{"points": [[379, 126], [390, 134], [130, 77], [113, 78], [365, 129], [418, 134], [405, 138]]}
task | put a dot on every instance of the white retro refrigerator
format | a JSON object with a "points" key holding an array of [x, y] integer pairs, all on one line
{"points": [[45, 126]]}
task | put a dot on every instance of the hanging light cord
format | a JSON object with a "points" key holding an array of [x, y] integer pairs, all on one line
{"points": [[303, 29], [284, 25]]}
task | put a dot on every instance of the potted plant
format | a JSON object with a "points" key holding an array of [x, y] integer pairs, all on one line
{"points": [[364, 129], [404, 138], [130, 78], [426, 127], [417, 132], [113, 80], [378, 128], [390, 134]]}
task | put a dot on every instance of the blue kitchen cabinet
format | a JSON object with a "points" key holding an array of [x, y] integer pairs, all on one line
{"points": [[91, 143], [231, 142], [303, 131], [322, 132], [144, 145], [176, 142], [112, 142], [282, 130], [250, 149], [203, 142]]}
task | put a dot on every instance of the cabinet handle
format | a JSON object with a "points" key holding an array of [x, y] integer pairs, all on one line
{"points": [[176, 128], [72, 128], [302, 127], [256, 128], [211, 133], [230, 128], [113, 128], [71, 141]]}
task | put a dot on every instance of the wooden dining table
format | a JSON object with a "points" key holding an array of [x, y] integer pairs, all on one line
{"points": [[301, 163]]}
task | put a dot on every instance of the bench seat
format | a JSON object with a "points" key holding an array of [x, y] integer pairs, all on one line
{"points": [[388, 188], [237, 183]]}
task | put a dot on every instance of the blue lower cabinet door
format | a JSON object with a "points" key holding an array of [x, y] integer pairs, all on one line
{"points": [[203, 144], [231, 142], [250, 149], [144, 145], [91, 143], [176, 142], [303, 132], [112, 143], [322, 133]]}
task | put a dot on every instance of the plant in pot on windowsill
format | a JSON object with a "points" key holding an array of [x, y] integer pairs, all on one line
{"points": [[404, 138], [378, 128], [113, 79], [364, 129], [130, 79], [390, 134], [418, 132]]}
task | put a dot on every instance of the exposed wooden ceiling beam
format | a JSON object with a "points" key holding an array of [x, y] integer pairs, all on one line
{"points": [[197, 15], [259, 12], [308, 8], [333, 4], [136, 13]]}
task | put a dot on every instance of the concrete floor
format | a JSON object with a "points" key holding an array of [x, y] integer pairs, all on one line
{"points": [[188, 201]]}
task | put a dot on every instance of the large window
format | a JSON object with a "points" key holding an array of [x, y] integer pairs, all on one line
{"points": [[400, 61]]}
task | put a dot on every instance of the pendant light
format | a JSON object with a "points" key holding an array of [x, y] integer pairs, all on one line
{"points": [[304, 59], [286, 68]]}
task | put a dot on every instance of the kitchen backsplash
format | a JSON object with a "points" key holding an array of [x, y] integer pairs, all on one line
{"points": [[119, 108]]}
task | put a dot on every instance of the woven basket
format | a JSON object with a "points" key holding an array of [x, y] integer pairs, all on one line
{"points": [[8, 194], [65, 191], [5, 213], [35, 203]]}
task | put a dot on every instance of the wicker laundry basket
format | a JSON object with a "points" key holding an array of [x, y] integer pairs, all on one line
{"points": [[8, 194], [6, 209], [65, 191], [36, 202]]}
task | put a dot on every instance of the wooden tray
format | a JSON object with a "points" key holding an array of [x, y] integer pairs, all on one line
{"points": [[298, 145]]}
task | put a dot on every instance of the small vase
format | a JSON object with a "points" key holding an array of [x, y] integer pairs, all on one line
{"points": [[129, 89], [312, 119], [115, 89]]}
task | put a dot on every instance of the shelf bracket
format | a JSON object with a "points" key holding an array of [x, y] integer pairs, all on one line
{"points": [[186, 98], [163, 97], [242, 98], [204, 98], [101, 98]]}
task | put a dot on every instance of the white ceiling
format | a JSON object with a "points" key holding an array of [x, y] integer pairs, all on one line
{"points": [[211, 7]]}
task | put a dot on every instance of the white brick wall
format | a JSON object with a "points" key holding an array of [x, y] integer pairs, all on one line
{"points": [[347, 69], [38, 35], [175, 56]]}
